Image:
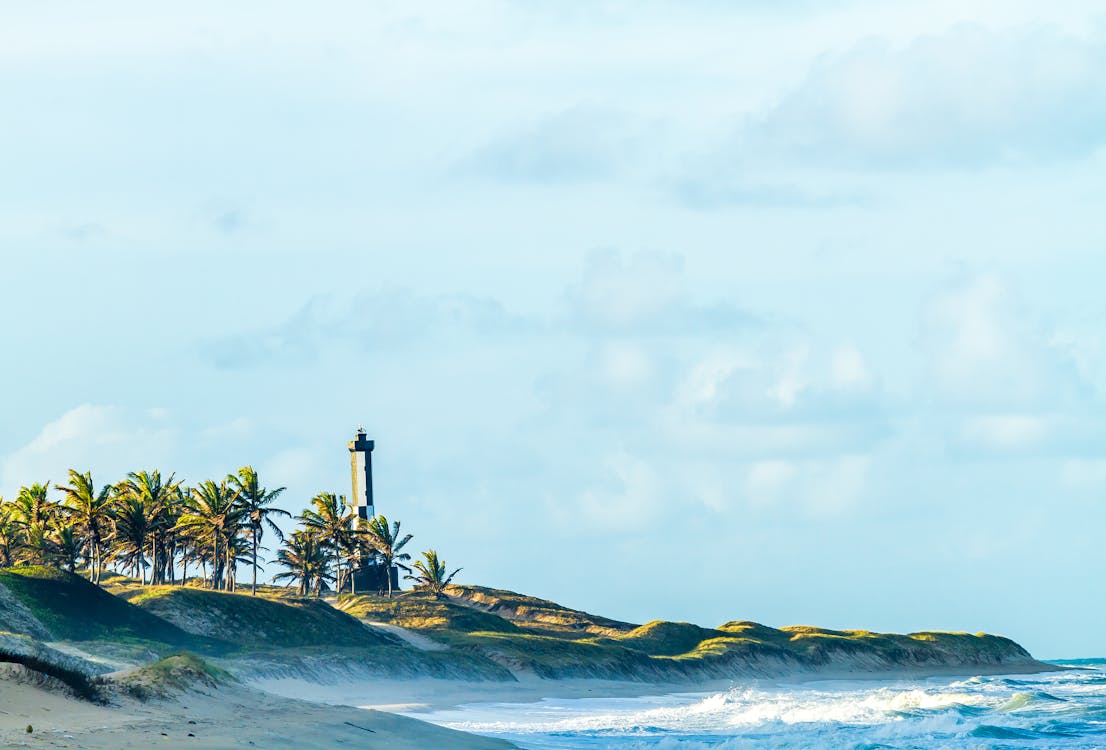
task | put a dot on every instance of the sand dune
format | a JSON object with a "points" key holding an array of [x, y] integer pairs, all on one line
{"points": [[224, 717]]}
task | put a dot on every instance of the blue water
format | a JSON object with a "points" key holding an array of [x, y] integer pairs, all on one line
{"points": [[1053, 710]]}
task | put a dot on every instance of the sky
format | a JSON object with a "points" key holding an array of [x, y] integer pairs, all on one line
{"points": [[694, 310]]}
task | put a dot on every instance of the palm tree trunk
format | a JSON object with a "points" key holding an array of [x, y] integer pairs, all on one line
{"points": [[231, 574], [337, 570], [253, 586], [93, 559]]}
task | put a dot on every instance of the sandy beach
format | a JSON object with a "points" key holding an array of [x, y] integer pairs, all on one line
{"points": [[225, 717]]}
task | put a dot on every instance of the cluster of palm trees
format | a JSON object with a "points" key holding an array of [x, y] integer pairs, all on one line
{"points": [[147, 526], [334, 543]]}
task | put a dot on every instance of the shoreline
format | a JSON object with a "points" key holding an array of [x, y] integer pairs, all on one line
{"points": [[424, 695]]}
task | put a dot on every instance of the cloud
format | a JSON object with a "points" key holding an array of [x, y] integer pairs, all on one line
{"points": [[385, 319], [778, 374], [985, 349], [110, 440], [1006, 431], [577, 144], [229, 221], [849, 370], [645, 293], [1083, 473], [818, 488], [627, 497], [1000, 380], [965, 98], [766, 480], [83, 231], [718, 189]]}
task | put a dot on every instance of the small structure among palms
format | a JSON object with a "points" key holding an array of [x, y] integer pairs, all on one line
{"points": [[430, 574], [385, 548]]}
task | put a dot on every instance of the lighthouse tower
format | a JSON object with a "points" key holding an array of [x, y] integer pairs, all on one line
{"points": [[361, 464], [367, 574]]}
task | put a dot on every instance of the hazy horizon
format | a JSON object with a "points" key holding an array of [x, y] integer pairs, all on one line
{"points": [[697, 311]]}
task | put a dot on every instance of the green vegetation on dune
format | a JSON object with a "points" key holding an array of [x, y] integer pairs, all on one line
{"points": [[253, 621], [537, 615], [71, 608], [552, 658], [172, 673], [530, 635], [662, 638], [420, 611]]}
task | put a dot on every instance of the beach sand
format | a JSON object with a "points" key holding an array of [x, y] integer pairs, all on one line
{"points": [[225, 717]]}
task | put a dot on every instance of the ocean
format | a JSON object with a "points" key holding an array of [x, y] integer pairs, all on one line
{"points": [[1052, 710]]}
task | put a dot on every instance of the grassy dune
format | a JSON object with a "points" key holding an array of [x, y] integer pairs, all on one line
{"points": [[249, 621], [536, 636], [171, 674], [476, 634], [69, 608], [418, 612]]}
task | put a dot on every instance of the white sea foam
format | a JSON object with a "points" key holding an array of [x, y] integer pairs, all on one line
{"points": [[1056, 710]]}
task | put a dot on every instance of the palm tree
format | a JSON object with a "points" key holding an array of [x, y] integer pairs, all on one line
{"points": [[156, 495], [91, 511], [237, 548], [169, 536], [212, 514], [387, 545], [354, 546], [32, 506], [305, 558], [66, 546], [431, 574], [32, 513], [255, 500], [186, 543], [134, 521], [11, 538], [330, 522]]}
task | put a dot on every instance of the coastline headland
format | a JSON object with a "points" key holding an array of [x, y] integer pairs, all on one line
{"points": [[415, 649]]}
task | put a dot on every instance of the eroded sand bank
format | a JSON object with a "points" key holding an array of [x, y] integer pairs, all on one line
{"points": [[224, 717]]}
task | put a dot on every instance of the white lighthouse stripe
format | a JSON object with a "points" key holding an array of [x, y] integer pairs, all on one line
{"points": [[360, 491]]}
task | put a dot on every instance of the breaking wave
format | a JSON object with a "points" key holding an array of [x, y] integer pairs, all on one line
{"points": [[1054, 710]]}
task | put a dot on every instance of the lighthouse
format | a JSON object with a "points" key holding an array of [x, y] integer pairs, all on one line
{"points": [[367, 573], [361, 464]]}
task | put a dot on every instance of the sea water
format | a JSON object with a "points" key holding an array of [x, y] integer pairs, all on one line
{"points": [[1052, 710]]}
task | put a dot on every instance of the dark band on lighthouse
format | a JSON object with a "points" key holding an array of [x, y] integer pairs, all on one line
{"points": [[361, 463]]}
